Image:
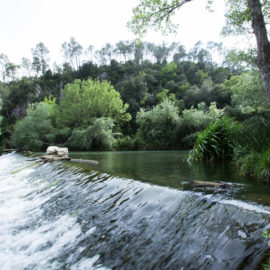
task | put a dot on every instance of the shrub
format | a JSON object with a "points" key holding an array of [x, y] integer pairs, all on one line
{"points": [[125, 143], [263, 166], [194, 120], [254, 133], [215, 142], [157, 127], [35, 131], [99, 136]]}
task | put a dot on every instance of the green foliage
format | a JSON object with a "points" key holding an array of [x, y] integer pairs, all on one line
{"points": [[266, 234], [161, 96], [215, 142], [35, 131], [246, 160], [84, 101], [1, 117], [247, 91], [263, 166], [195, 119], [254, 133], [253, 151], [242, 60], [157, 127], [238, 17], [129, 143], [247, 143], [168, 72], [155, 14], [98, 136]]}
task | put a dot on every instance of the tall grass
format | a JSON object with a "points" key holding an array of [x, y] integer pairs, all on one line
{"points": [[215, 142], [247, 143]]}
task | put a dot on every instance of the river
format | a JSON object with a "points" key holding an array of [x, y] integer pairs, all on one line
{"points": [[136, 210]]}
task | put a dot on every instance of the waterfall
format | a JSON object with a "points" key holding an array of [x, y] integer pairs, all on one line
{"points": [[55, 216]]}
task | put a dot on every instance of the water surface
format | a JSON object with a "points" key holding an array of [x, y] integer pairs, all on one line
{"points": [[170, 168], [58, 216]]}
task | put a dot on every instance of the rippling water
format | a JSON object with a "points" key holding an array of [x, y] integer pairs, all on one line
{"points": [[54, 216]]}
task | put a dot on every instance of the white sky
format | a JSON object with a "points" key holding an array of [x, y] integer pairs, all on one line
{"points": [[24, 23]]}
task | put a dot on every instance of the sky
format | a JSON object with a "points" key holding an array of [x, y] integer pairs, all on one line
{"points": [[25, 23]]}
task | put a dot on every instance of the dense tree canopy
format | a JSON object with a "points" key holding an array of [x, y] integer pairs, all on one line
{"points": [[241, 16], [84, 101]]}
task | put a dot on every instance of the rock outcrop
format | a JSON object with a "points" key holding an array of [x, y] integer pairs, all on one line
{"points": [[55, 153]]}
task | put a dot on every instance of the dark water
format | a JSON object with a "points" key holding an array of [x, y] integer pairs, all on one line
{"points": [[57, 216]]}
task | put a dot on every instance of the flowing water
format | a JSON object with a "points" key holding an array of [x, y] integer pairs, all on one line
{"points": [[116, 216]]}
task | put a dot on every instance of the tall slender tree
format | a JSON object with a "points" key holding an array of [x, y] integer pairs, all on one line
{"points": [[40, 58], [72, 52]]}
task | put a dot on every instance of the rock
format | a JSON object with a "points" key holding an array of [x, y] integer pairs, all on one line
{"points": [[55, 153], [19, 111], [208, 184], [54, 150]]}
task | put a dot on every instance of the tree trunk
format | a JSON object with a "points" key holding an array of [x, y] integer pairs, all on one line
{"points": [[263, 45]]}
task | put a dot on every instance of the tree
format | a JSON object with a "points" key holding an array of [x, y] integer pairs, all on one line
{"points": [[3, 66], [40, 58], [124, 48], [247, 91], [26, 64], [84, 101], [11, 70], [240, 14], [72, 52]]}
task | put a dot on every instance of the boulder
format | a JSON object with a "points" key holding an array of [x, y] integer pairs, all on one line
{"points": [[57, 151]]}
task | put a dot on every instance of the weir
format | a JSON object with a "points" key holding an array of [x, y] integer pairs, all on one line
{"points": [[54, 216]]}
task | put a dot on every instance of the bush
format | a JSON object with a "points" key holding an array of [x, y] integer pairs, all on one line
{"points": [[125, 143], [157, 127], [99, 136], [215, 142], [254, 164], [254, 133], [263, 166], [194, 120], [35, 131]]}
